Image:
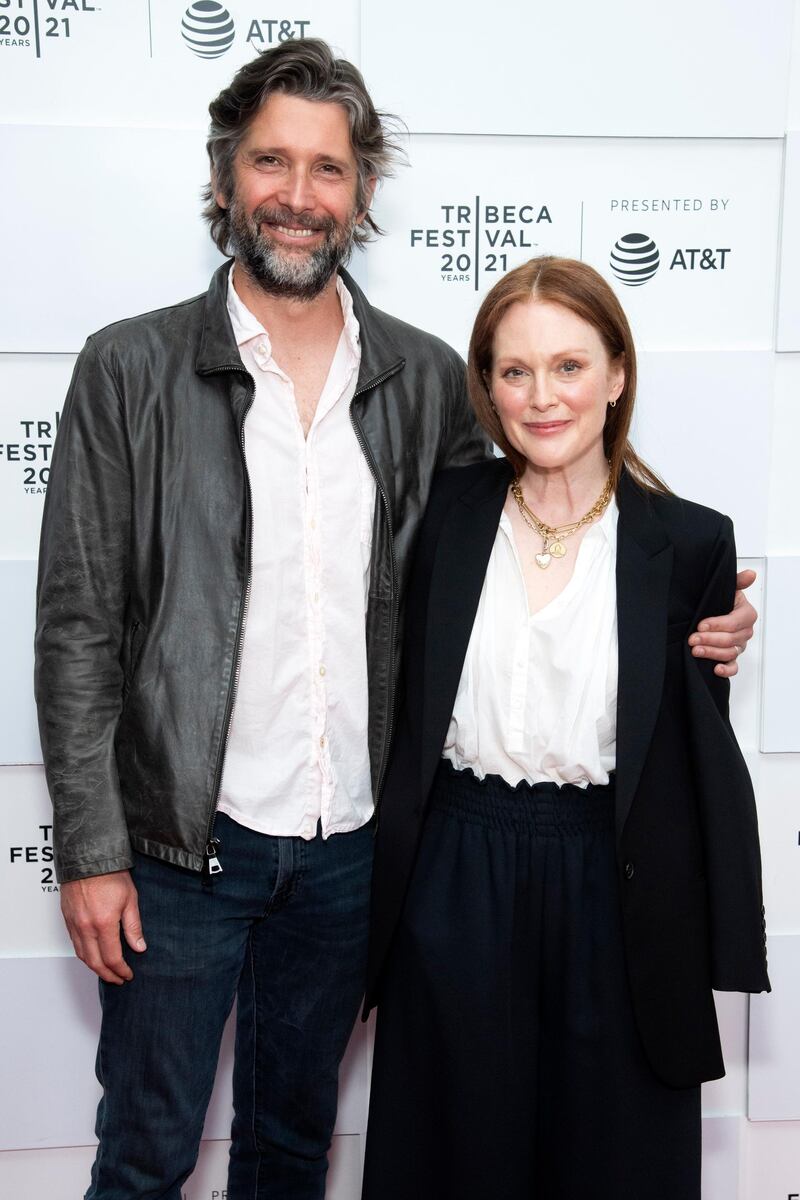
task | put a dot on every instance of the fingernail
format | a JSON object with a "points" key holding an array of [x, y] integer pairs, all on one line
{"points": [[699, 651], [703, 627], [141, 944], [694, 640]]}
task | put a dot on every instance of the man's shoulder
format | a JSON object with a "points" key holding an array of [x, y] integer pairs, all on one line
{"points": [[411, 338], [158, 323]]}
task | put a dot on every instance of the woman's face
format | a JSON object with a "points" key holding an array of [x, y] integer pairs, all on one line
{"points": [[551, 382]]}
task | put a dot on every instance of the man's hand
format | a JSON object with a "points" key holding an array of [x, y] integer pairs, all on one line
{"points": [[94, 909], [724, 638]]}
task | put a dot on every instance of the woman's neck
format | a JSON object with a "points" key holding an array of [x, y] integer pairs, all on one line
{"points": [[564, 494]]}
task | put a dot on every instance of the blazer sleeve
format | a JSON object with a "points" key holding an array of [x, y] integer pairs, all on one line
{"points": [[726, 802]]}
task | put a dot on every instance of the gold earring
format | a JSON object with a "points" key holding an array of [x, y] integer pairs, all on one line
{"points": [[612, 404]]}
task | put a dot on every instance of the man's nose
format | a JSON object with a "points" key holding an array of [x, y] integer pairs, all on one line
{"points": [[297, 191]]}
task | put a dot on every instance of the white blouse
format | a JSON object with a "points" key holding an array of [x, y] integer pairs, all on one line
{"points": [[538, 692]]}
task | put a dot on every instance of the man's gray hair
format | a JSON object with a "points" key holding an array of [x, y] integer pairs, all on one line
{"points": [[304, 67]]}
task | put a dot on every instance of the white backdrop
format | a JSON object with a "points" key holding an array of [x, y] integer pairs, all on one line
{"points": [[577, 128]]}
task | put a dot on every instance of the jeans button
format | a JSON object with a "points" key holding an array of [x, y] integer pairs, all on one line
{"points": [[629, 870]]}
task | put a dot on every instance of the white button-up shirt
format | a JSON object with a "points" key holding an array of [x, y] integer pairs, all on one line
{"points": [[537, 698], [297, 748]]}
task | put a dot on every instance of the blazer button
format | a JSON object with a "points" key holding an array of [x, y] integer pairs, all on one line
{"points": [[629, 870]]}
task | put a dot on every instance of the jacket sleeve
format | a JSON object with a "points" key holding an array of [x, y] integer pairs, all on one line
{"points": [[726, 803], [463, 441], [81, 600]]}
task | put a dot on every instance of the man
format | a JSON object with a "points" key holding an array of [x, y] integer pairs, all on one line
{"points": [[234, 499]]}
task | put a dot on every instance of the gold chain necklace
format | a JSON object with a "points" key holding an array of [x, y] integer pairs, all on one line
{"points": [[553, 535]]}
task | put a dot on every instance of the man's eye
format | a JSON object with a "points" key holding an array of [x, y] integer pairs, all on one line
{"points": [[329, 169], [266, 160]]}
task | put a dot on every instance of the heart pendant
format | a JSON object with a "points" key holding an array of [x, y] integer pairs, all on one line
{"points": [[543, 560]]}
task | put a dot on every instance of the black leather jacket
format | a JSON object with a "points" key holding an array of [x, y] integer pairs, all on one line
{"points": [[144, 563]]}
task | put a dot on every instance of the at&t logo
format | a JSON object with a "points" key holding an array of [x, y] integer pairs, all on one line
{"points": [[209, 31], [207, 28], [635, 259]]}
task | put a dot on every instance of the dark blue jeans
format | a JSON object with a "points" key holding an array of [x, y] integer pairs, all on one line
{"points": [[283, 929]]}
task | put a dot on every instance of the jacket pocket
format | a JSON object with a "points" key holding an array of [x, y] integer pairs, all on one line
{"points": [[135, 643]]}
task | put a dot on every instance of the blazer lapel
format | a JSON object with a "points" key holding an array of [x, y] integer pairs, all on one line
{"points": [[644, 569], [462, 556]]}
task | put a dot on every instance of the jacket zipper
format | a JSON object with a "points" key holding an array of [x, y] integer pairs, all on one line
{"points": [[211, 864], [365, 450]]}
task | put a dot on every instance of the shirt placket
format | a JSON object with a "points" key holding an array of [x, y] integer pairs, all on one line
{"points": [[518, 698], [316, 628], [520, 664]]}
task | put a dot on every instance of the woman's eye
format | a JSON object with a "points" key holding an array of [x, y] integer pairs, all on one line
{"points": [[513, 373], [570, 367]]}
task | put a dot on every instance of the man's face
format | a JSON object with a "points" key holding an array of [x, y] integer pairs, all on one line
{"points": [[293, 208]]}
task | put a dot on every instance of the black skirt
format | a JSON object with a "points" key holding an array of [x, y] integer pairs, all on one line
{"points": [[507, 1062]]}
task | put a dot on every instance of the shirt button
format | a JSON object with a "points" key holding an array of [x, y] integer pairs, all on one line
{"points": [[322, 740], [629, 870], [321, 670]]}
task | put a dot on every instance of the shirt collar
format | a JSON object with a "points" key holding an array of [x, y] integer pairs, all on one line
{"points": [[246, 326], [608, 523]]}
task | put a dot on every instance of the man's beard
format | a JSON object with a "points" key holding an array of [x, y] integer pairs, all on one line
{"points": [[279, 270]]}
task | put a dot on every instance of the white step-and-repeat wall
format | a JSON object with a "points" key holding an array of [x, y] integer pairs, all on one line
{"points": [[573, 128]]}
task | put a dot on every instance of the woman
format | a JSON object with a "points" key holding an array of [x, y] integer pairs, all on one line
{"points": [[567, 855]]}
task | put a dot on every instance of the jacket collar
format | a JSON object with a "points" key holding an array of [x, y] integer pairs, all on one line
{"points": [[217, 350], [380, 356], [464, 547]]}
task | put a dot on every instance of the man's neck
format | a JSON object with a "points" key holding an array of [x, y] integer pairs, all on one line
{"points": [[286, 319]]}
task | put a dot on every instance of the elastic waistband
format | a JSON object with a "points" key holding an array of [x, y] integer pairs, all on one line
{"points": [[543, 808]]}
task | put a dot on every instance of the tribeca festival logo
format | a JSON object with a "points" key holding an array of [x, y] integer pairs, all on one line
{"points": [[33, 24], [28, 454], [207, 29], [469, 239], [38, 854]]}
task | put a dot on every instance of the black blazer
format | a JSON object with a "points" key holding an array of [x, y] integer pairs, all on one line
{"points": [[687, 838]]}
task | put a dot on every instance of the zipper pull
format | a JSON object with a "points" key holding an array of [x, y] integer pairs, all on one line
{"points": [[213, 865]]}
